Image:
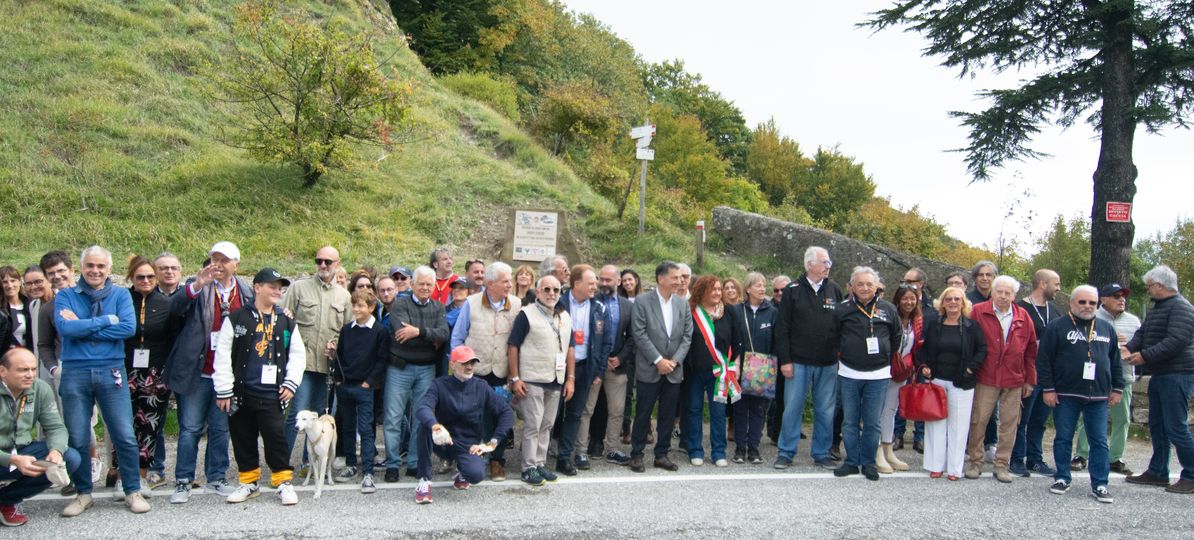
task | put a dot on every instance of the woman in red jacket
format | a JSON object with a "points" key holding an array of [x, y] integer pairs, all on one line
{"points": [[907, 302]]}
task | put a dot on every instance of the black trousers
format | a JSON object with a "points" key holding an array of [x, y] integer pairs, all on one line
{"points": [[667, 394], [264, 417]]}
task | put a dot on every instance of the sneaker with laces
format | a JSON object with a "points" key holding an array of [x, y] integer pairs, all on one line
{"points": [[347, 473], [783, 462], [244, 493], [721, 462], [182, 492], [287, 495], [155, 480], [136, 503], [547, 475], [754, 457], [1102, 494], [1042, 469], [1059, 487], [697, 462], [423, 491], [459, 482], [219, 488], [78, 505], [530, 476], [11, 515], [367, 485], [740, 455]]}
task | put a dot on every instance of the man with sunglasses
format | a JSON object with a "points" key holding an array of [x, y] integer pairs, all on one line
{"points": [[320, 308], [1114, 309], [207, 299], [1027, 453]]}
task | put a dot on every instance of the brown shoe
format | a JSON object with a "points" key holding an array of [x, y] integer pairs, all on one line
{"points": [[497, 473], [665, 464], [1002, 474], [1119, 467], [1181, 486], [1148, 479], [636, 464]]}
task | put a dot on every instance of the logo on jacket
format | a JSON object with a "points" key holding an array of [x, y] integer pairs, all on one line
{"points": [[1074, 336], [240, 331]]}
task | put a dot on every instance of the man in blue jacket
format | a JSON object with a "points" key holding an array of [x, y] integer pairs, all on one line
{"points": [[1079, 372], [589, 321], [94, 318]]}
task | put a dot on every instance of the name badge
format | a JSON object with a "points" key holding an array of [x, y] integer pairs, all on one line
{"points": [[561, 361], [1088, 371], [140, 358], [872, 345], [215, 337], [579, 337], [269, 374]]}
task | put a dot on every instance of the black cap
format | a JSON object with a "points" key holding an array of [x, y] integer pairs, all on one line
{"points": [[1113, 289], [269, 275], [461, 282], [398, 269]]}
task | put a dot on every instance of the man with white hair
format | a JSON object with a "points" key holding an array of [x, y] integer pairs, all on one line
{"points": [[1164, 348], [1080, 373], [484, 325], [556, 265], [94, 318], [418, 328], [807, 357], [1006, 377]]}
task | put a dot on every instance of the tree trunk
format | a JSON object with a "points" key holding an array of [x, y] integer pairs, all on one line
{"points": [[311, 175], [1115, 177]]}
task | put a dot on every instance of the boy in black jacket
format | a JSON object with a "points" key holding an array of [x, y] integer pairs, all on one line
{"points": [[360, 361]]}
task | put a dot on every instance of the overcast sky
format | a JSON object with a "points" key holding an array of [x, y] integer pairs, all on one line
{"points": [[874, 96]]}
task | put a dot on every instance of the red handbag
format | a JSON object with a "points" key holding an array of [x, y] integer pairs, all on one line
{"points": [[901, 367], [923, 402]]}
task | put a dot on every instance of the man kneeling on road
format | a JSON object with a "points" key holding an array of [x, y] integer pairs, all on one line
{"points": [[28, 401], [448, 417]]}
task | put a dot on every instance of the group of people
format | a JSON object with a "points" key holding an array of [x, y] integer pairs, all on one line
{"points": [[585, 356]]}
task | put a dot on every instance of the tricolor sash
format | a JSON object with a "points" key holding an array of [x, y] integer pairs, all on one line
{"points": [[725, 371]]}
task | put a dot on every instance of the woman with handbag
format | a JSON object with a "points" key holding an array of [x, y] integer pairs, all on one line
{"points": [[907, 303], [712, 366], [953, 350], [756, 320]]}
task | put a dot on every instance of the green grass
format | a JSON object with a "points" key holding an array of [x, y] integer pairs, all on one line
{"points": [[108, 139]]}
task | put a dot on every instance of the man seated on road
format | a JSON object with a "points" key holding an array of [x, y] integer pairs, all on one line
{"points": [[448, 417], [28, 401]]}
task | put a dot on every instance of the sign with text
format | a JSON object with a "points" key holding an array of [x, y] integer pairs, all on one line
{"points": [[645, 153], [535, 235], [642, 131], [1119, 212]]}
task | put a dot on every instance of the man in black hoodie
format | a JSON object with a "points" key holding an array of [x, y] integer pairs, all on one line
{"points": [[807, 358]]}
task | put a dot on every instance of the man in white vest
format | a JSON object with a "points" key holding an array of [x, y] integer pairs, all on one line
{"points": [[484, 325]]}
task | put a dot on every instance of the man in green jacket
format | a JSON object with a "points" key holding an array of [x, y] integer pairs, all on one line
{"points": [[28, 401]]}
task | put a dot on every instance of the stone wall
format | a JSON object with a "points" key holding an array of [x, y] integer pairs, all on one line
{"points": [[755, 235]]}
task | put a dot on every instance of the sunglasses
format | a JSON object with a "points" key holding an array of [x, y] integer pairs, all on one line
{"points": [[776, 290], [1086, 302], [144, 277], [551, 290], [401, 277], [325, 262], [907, 285]]}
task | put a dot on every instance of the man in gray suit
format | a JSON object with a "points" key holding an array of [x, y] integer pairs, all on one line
{"points": [[662, 328]]}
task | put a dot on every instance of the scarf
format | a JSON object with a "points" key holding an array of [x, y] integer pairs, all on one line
{"points": [[725, 371], [96, 296]]}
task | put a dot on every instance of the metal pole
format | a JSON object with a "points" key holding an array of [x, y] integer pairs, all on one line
{"points": [[642, 199]]}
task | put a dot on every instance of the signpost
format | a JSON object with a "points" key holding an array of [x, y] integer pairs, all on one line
{"points": [[642, 136]]}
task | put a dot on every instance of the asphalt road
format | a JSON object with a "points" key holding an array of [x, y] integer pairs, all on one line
{"points": [[706, 502]]}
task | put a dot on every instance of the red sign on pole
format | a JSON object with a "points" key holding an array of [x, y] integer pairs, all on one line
{"points": [[1119, 212]]}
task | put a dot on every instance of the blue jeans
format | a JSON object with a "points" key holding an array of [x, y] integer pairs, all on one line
{"points": [[1065, 422], [404, 386], [311, 395], [197, 412], [700, 390], [822, 381], [1030, 434], [357, 406], [1168, 398], [862, 403], [81, 391], [25, 487], [573, 410]]}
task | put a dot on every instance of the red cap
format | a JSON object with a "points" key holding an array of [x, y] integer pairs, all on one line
{"points": [[464, 354]]}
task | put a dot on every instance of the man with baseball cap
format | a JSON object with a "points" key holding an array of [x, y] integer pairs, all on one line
{"points": [[401, 276], [450, 426], [1114, 309], [207, 299]]}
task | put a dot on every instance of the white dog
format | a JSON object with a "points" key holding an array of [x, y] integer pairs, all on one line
{"points": [[320, 433]]}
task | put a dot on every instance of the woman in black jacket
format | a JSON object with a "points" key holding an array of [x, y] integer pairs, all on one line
{"points": [[701, 367], [145, 357], [953, 350], [756, 321]]}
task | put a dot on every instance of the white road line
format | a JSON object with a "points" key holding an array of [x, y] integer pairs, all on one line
{"points": [[513, 481]]}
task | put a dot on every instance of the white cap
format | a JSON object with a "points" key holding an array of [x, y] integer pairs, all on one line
{"points": [[228, 249]]}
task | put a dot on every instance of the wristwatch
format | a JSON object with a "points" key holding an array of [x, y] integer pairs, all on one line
{"points": [[515, 379]]}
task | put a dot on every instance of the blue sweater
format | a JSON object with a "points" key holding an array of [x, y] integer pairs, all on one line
{"points": [[460, 405], [94, 342]]}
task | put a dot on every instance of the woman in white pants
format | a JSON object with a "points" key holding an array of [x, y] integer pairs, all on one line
{"points": [[907, 302], [953, 350]]}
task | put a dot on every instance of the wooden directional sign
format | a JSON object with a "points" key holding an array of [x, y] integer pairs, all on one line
{"points": [[642, 131]]}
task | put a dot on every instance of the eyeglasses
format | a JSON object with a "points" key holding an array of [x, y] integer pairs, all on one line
{"points": [[907, 285], [551, 290], [325, 262], [828, 263], [776, 290], [1086, 302], [169, 268], [952, 299], [144, 277]]}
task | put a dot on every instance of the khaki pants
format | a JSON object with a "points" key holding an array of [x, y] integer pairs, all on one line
{"points": [[538, 410], [985, 398], [614, 385]]}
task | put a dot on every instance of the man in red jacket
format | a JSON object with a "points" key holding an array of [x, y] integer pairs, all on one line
{"points": [[1006, 376]]}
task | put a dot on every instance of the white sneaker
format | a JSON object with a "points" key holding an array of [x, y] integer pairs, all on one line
{"points": [[338, 463], [989, 455], [696, 462], [244, 493], [118, 494], [137, 503], [722, 463], [220, 488], [367, 485], [99, 469], [182, 493], [287, 495]]}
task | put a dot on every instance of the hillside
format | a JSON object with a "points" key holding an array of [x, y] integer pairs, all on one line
{"points": [[108, 138]]}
